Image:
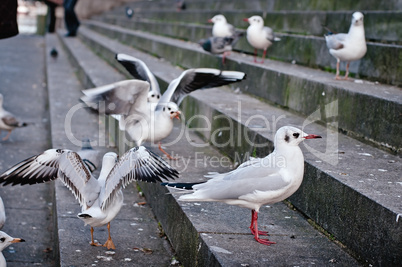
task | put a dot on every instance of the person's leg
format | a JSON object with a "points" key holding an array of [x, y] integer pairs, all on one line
{"points": [[71, 20]]}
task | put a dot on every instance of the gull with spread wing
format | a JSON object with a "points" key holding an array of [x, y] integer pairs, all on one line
{"points": [[100, 199], [258, 181], [145, 121]]}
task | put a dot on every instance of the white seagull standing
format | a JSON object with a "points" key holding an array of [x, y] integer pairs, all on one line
{"points": [[8, 121], [348, 47], [258, 181], [259, 36], [146, 122], [5, 241], [2, 214], [101, 199], [221, 27]]}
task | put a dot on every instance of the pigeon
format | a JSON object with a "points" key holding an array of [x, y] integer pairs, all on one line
{"points": [[348, 47], [129, 12], [100, 199], [221, 27], [258, 36], [8, 121], [5, 241], [89, 156], [220, 45], [256, 182]]}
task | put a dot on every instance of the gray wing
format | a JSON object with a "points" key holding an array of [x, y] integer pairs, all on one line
{"points": [[269, 33], [139, 70], [118, 98], [194, 79], [335, 41], [137, 164]]}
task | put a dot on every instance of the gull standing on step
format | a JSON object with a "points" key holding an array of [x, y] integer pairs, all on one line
{"points": [[5, 241], [259, 36], [221, 27], [259, 181], [8, 121], [348, 47], [153, 123], [220, 45], [100, 199]]}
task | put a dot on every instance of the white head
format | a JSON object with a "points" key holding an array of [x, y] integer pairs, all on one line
{"points": [[218, 19], [153, 97], [255, 20], [172, 110], [291, 136], [357, 18], [6, 240]]}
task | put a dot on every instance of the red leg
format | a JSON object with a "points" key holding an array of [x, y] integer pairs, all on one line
{"points": [[254, 218], [263, 55], [337, 70], [93, 243], [347, 71], [254, 224], [7, 136], [255, 55], [164, 152]]}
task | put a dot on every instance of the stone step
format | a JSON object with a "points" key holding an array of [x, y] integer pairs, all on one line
{"points": [[380, 26], [270, 5], [135, 227], [293, 87], [339, 172], [304, 50], [196, 240]]}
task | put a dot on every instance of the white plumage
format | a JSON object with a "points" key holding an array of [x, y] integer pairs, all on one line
{"points": [[8, 121], [221, 27], [5, 241]]}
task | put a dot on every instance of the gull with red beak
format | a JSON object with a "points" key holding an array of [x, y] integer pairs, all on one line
{"points": [[5, 241], [257, 182], [143, 120]]}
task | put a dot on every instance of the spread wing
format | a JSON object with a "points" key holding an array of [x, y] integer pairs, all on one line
{"points": [[194, 79], [137, 164], [139, 70], [335, 41], [118, 98], [53, 164]]}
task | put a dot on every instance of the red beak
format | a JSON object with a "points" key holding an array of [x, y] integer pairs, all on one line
{"points": [[210, 20], [246, 19], [312, 136], [176, 115]]}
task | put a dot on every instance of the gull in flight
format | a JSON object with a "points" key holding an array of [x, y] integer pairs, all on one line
{"points": [[258, 181], [348, 46], [259, 36], [100, 199], [8, 121]]}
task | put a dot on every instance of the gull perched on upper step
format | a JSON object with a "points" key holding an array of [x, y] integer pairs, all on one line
{"points": [[220, 45], [221, 27], [8, 121], [144, 121], [348, 47], [100, 199], [258, 181], [259, 36]]}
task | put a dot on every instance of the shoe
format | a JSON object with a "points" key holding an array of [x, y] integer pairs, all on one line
{"points": [[70, 34]]}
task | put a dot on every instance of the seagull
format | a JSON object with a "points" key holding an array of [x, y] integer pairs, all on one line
{"points": [[258, 36], [139, 70], [129, 12], [221, 27], [258, 181], [100, 199], [147, 122], [348, 47], [8, 121], [5, 241], [220, 45]]}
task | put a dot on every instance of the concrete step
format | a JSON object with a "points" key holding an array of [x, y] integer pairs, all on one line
{"points": [[339, 172], [299, 89], [135, 227], [270, 5], [197, 240], [380, 26], [304, 50]]}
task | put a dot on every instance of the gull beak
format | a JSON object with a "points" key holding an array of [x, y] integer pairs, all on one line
{"points": [[312, 136], [17, 240], [245, 19], [176, 115], [210, 20]]}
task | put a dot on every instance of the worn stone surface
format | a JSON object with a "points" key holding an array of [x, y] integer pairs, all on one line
{"points": [[285, 84]]}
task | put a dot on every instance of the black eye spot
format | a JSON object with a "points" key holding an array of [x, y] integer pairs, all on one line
{"points": [[158, 96], [287, 138], [169, 108], [163, 109], [2, 239], [171, 112], [296, 135], [152, 95]]}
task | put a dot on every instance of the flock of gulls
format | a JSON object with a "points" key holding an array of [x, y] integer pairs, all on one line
{"points": [[147, 116]]}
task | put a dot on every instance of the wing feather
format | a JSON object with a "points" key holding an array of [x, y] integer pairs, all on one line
{"points": [[137, 164]]}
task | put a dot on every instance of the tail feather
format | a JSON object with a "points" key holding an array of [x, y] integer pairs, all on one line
{"points": [[185, 186]]}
